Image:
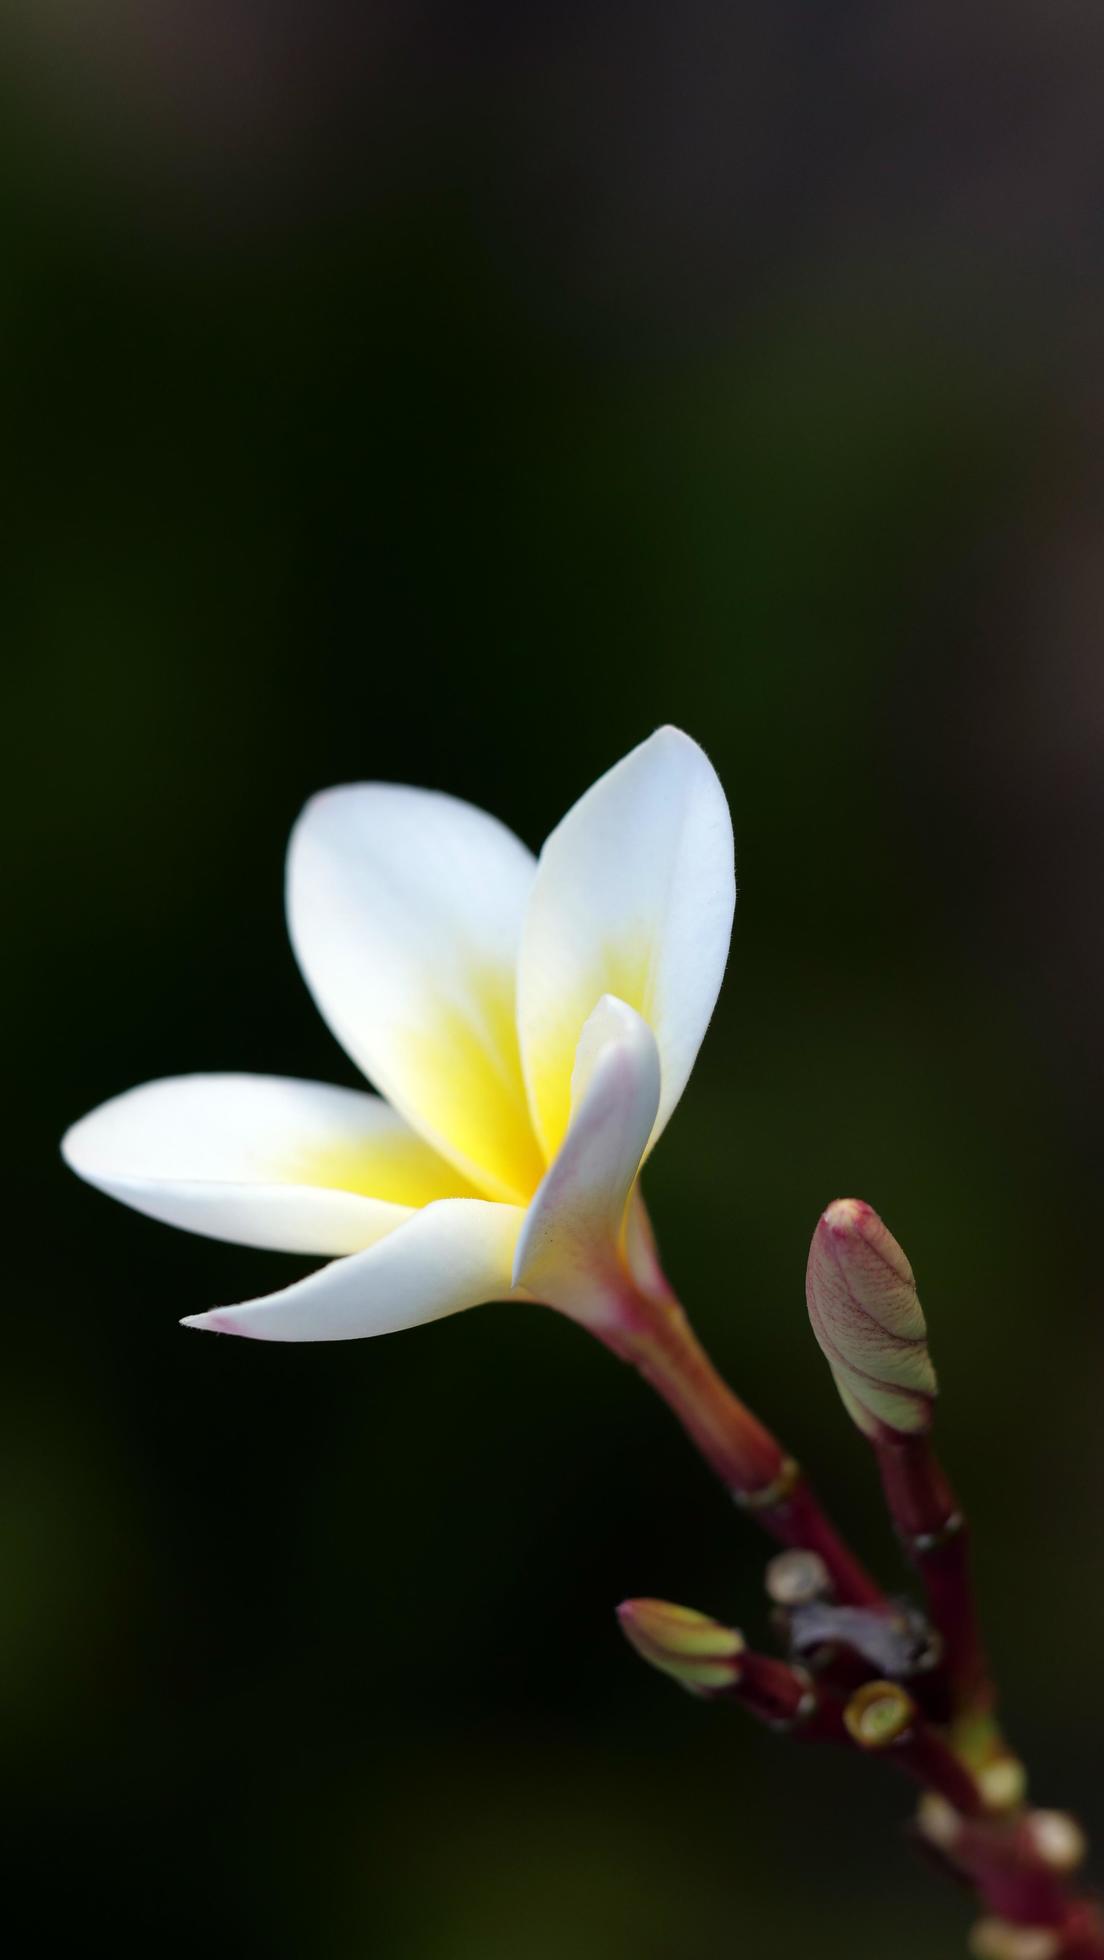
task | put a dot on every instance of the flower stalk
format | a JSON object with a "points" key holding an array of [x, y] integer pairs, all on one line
{"points": [[867, 1318], [932, 1714], [1021, 1869], [652, 1333], [715, 1663], [883, 1718], [532, 1025], [935, 1535]]}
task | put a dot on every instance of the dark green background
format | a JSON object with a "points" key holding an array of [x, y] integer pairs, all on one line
{"points": [[451, 396]]}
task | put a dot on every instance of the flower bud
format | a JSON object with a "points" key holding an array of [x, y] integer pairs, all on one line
{"points": [[1002, 1781], [1057, 1838], [699, 1653], [879, 1715], [797, 1578], [938, 1822], [869, 1322]]}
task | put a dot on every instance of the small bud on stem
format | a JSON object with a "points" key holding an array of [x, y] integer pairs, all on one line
{"points": [[883, 1716], [699, 1653], [714, 1662], [869, 1322], [879, 1714], [797, 1578], [1058, 1839], [1019, 1867], [867, 1318]]}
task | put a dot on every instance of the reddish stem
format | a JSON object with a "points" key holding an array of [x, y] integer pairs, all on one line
{"points": [[1003, 1862], [655, 1335], [788, 1698], [799, 1520], [926, 1758], [785, 1698], [883, 1719], [1083, 1933], [931, 1524]]}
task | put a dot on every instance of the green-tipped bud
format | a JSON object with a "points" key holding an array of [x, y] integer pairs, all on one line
{"points": [[879, 1715], [697, 1652], [1002, 1782], [869, 1322]]}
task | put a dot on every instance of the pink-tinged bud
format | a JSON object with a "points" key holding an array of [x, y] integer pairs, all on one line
{"points": [[869, 1322], [699, 1653]]}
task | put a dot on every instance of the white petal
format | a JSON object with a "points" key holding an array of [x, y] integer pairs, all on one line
{"points": [[452, 1255], [633, 896], [405, 911], [570, 1250], [261, 1159]]}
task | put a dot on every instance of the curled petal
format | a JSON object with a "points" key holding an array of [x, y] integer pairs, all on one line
{"points": [[456, 1253], [570, 1252], [405, 910], [263, 1160], [634, 897]]}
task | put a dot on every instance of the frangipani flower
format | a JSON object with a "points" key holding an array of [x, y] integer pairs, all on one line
{"points": [[530, 1025]]}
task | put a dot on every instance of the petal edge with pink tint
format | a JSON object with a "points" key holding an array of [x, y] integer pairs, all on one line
{"points": [[455, 1254]]}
